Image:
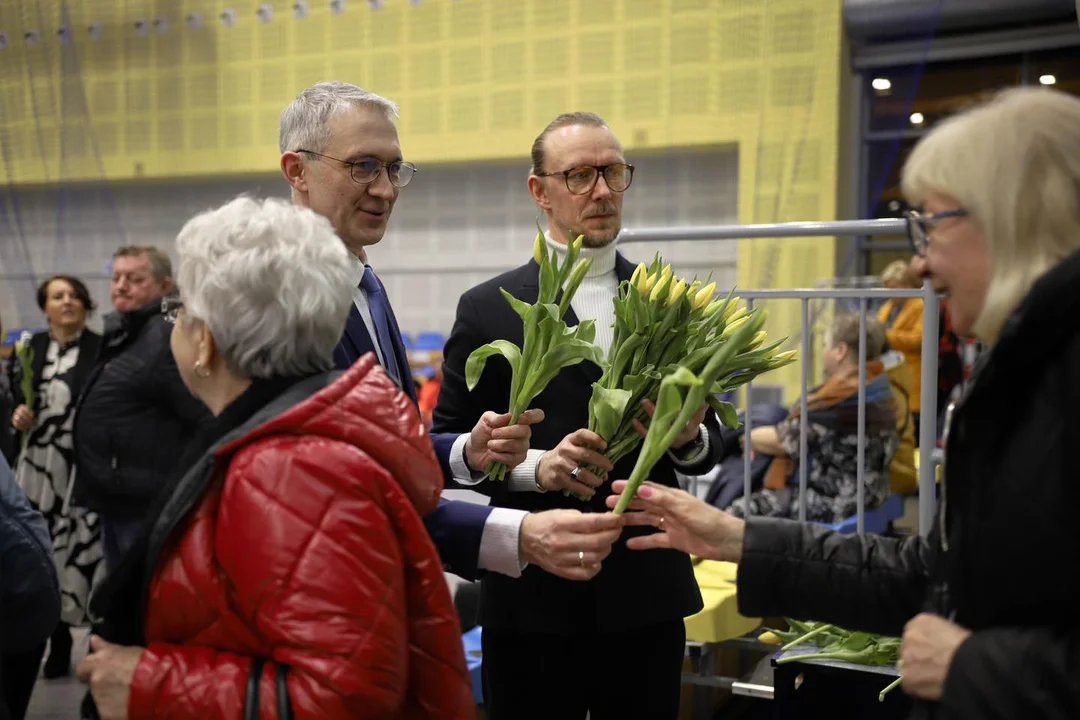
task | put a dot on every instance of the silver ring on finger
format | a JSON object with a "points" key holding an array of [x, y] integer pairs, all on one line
{"points": [[575, 474]]}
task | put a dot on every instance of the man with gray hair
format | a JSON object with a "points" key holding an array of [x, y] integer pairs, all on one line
{"points": [[135, 415], [342, 159]]}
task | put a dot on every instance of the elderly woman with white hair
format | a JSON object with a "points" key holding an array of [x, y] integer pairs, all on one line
{"points": [[987, 604], [288, 572]]}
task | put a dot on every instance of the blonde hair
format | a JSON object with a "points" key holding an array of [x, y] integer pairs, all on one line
{"points": [[899, 271], [1014, 164]]}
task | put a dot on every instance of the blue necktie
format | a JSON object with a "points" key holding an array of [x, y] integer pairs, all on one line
{"points": [[380, 314]]}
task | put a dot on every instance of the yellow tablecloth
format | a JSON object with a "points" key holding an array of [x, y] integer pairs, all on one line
{"points": [[720, 619]]}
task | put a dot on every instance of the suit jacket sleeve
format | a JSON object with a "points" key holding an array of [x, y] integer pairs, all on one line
{"points": [[457, 527]]}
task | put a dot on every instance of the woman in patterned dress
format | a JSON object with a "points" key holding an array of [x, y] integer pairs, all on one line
{"points": [[63, 357]]}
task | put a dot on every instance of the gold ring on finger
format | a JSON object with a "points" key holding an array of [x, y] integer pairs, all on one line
{"points": [[660, 525], [581, 557]]}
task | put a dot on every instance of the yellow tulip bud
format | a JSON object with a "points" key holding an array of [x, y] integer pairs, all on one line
{"points": [[758, 339], [713, 307], [734, 313], [659, 287], [784, 358], [538, 248], [733, 326], [703, 296], [691, 292], [677, 291]]}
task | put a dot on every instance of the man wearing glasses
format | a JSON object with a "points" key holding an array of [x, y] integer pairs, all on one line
{"points": [[553, 649], [342, 159]]}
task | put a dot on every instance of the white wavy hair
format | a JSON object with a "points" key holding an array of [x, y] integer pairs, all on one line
{"points": [[271, 281], [304, 122]]}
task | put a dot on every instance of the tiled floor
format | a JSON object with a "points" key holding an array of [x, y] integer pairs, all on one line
{"points": [[60, 699]]}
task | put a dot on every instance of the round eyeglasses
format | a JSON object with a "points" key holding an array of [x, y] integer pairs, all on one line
{"points": [[582, 180], [919, 226], [366, 170]]}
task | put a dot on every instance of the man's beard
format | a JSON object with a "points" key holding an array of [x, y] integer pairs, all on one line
{"points": [[599, 241]]}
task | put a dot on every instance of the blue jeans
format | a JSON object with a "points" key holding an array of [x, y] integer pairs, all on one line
{"points": [[118, 534]]}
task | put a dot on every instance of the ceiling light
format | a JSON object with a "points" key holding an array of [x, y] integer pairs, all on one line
{"points": [[228, 17], [1047, 79], [881, 84], [917, 118], [3, 40]]}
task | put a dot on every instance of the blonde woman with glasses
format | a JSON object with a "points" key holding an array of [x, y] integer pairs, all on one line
{"points": [[987, 603]]}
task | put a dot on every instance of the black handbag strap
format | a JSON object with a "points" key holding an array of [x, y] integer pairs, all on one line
{"points": [[251, 700], [284, 705]]}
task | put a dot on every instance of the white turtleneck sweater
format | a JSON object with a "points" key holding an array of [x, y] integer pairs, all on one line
{"points": [[593, 301]]}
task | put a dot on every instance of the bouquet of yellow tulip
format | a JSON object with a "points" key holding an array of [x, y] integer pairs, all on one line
{"points": [[665, 327], [548, 345]]}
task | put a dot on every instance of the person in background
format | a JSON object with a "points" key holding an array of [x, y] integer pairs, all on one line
{"points": [[134, 415], [902, 320], [29, 596], [289, 565], [341, 156], [427, 396], [62, 359], [831, 437], [986, 604], [628, 621]]}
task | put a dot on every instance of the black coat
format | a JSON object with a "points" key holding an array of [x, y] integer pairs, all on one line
{"points": [[633, 589], [134, 416], [1008, 569]]}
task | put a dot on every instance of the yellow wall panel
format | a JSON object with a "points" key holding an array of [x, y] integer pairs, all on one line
{"points": [[475, 79]]}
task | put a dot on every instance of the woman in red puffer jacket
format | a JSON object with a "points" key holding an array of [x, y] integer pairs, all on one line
{"points": [[288, 572]]}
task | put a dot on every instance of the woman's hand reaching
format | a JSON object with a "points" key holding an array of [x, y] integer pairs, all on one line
{"points": [[685, 523]]}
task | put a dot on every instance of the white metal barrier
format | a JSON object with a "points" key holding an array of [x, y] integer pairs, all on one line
{"points": [[927, 440]]}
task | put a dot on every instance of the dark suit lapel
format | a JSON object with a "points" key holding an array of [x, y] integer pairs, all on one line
{"points": [[402, 358]]}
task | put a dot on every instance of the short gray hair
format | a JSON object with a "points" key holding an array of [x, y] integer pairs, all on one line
{"points": [[273, 283], [304, 121]]}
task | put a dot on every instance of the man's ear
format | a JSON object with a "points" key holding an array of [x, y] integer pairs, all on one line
{"points": [[294, 170], [167, 285], [539, 192]]}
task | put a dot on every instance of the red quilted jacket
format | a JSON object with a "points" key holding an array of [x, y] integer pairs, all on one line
{"points": [[309, 551]]}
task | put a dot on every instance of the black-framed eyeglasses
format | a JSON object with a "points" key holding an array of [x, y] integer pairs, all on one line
{"points": [[171, 305], [920, 224], [582, 180], [366, 170]]}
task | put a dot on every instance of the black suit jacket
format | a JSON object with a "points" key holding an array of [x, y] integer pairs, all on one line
{"points": [[634, 588]]}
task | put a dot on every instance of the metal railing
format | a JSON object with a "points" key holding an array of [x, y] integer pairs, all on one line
{"points": [[927, 440]]}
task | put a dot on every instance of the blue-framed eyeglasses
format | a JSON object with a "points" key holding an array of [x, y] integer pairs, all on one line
{"points": [[920, 224]]}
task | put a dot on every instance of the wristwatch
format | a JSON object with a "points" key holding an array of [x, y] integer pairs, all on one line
{"points": [[694, 450]]}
